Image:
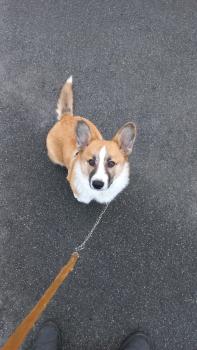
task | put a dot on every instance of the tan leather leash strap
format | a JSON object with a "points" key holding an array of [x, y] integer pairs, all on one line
{"points": [[20, 333]]}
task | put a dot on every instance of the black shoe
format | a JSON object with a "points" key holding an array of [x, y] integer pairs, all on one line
{"points": [[136, 341], [48, 338]]}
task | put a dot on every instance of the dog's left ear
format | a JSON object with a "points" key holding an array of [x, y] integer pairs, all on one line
{"points": [[125, 137], [83, 134]]}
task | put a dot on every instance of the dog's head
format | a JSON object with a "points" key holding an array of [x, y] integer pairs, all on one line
{"points": [[101, 161]]}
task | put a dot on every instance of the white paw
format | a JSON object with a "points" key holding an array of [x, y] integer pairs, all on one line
{"points": [[82, 199]]}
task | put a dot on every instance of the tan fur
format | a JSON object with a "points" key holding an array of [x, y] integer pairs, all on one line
{"points": [[113, 152], [62, 144]]}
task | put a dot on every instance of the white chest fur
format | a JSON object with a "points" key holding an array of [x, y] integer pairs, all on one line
{"points": [[86, 194]]}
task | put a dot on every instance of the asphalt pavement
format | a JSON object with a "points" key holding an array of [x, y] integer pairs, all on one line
{"points": [[130, 60]]}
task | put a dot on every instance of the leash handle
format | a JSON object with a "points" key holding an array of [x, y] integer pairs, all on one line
{"points": [[20, 333]]}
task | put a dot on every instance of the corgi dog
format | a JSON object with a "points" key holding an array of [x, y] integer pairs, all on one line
{"points": [[98, 169]]}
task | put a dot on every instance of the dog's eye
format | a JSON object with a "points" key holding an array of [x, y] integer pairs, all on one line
{"points": [[110, 163], [92, 162]]}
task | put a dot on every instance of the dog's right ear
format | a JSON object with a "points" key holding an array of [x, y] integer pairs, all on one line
{"points": [[83, 134]]}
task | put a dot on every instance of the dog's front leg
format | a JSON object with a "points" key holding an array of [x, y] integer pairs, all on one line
{"points": [[82, 199]]}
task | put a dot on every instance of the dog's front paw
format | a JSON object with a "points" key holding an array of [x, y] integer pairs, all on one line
{"points": [[82, 199]]}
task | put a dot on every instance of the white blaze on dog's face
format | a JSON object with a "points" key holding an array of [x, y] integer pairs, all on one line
{"points": [[99, 178], [101, 161]]}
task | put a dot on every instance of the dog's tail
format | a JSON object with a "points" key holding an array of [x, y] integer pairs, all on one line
{"points": [[65, 101]]}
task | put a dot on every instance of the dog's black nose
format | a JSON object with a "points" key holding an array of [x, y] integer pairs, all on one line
{"points": [[97, 184]]}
